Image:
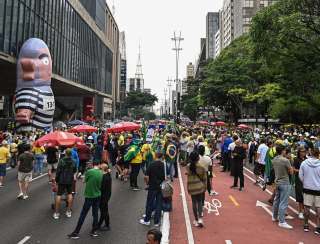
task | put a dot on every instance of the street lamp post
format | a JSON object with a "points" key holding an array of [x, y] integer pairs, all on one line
{"points": [[177, 41], [165, 101]]}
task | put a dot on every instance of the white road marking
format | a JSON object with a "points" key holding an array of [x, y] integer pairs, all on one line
{"points": [[292, 198], [228, 242], [165, 228], [213, 206], [264, 206], [185, 209], [24, 240], [291, 208], [38, 177]]}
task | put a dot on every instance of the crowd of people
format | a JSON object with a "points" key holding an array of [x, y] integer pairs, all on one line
{"points": [[281, 160]]}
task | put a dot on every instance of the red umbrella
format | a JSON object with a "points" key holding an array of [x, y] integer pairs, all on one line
{"points": [[244, 127], [124, 126], [59, 138], [220, 123], [203, 122], [83, 128]]}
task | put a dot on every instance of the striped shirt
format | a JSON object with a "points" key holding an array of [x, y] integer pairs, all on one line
{"points": [[41, 103]]}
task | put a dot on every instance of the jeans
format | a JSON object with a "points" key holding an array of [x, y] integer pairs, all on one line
{"points": [[104, 213], [135, 168], [170, 169], [38, 166], [197, 204], [88, 203], [154, 202], [280, 203]]}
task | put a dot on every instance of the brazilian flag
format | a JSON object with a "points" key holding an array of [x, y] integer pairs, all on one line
{"points": [[132, 153]]}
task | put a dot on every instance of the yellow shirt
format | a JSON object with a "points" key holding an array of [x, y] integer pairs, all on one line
{"points": [[38, 150], [4, 155]]}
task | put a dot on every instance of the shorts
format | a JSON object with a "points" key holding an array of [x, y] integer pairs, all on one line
{"points": [[3, 169], [258, 169], [26, 177], [64, 188], [52, 166], [310, 200]]}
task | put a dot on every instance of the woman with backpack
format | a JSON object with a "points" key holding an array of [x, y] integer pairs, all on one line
{"points": [[196, 184]]}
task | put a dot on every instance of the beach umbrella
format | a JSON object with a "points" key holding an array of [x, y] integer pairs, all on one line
{"points": [[124, 126], [59, 138], [83, 128]]}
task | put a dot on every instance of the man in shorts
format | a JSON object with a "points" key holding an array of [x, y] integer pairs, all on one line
{"points": [[25, 168], [4, 158], [260, 164], [309, 174], [52, 160], [65, 175]]}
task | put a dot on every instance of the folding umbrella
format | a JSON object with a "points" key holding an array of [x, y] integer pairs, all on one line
{"points": [[244, 127], [83, 128], [124, 126], [76, 122], [220, 123], [59, 138]]}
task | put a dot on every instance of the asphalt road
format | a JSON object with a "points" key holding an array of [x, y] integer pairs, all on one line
{"points": [[33, 217]]}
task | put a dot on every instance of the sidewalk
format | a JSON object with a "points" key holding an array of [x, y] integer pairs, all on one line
{"points": [[239, 220]]}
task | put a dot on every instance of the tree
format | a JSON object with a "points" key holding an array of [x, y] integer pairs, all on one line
{"points": [[136, 99]]}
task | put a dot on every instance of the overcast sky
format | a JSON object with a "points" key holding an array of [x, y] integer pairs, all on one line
{"points": [[152, 22]]}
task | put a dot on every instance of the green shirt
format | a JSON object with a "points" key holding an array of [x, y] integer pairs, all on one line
{"points": [[93, 179]]}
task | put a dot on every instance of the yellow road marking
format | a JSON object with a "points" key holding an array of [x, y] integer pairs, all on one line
{"points": [[234, 201]]}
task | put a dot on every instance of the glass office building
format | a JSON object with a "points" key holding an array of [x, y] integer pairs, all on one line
{"points": [[78, 54]]}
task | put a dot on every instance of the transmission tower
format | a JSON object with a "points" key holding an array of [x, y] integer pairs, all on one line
{"points": [[139, 74]]}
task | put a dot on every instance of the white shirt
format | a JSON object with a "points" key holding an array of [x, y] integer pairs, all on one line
{"points": [[262, 151], [205, 161], [231, 146]]}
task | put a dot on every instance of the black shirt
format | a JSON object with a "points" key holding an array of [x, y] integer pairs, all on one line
{"points": [[106, 186], [26, 162], [156, 175], [52, 155]]}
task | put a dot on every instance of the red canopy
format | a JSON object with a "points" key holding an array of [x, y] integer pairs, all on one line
{"points": [[59, 138], [244, 127], [124, 126], [203, 122], [83, 128], [220, 123]]}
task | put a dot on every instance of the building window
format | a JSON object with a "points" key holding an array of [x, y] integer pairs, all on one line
{"points": [[249, 3]]}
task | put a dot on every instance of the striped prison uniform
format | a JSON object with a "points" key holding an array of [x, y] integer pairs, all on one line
{"points": [[42, 105]]}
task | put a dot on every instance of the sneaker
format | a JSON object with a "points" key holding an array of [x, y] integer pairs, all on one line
{"points": [[317, 231], [68, 213], [104, 228], [74, 236], [94, 234], [136, 189], [285, 225], [156, 225], [195, 223], [241, 189], [25, 197], [141, 221], [1, 185], [200, 222], [288, 217], [232, 187], [306, 228], [56, 216], [274, 219], [214, 193], [20, 196], [300, 216], [264, 187]]}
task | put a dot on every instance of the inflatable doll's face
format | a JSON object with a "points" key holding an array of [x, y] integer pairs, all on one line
{"points": [[34, 66]]}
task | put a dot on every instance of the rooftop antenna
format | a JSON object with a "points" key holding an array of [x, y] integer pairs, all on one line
{"points": [[139, 73]]}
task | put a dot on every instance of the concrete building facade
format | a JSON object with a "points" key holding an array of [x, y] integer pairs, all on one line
{"points": [[244, 11], [227, 23], [217, 43], [190, 71], [83, 38], [212, 26]]}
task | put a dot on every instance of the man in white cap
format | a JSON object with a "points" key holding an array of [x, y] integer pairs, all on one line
{"points": [[4, 158]]}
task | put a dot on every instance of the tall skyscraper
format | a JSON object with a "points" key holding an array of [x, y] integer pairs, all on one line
{"points": [[227, 23], [123, 66], [212, 26], [244, 11]]}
